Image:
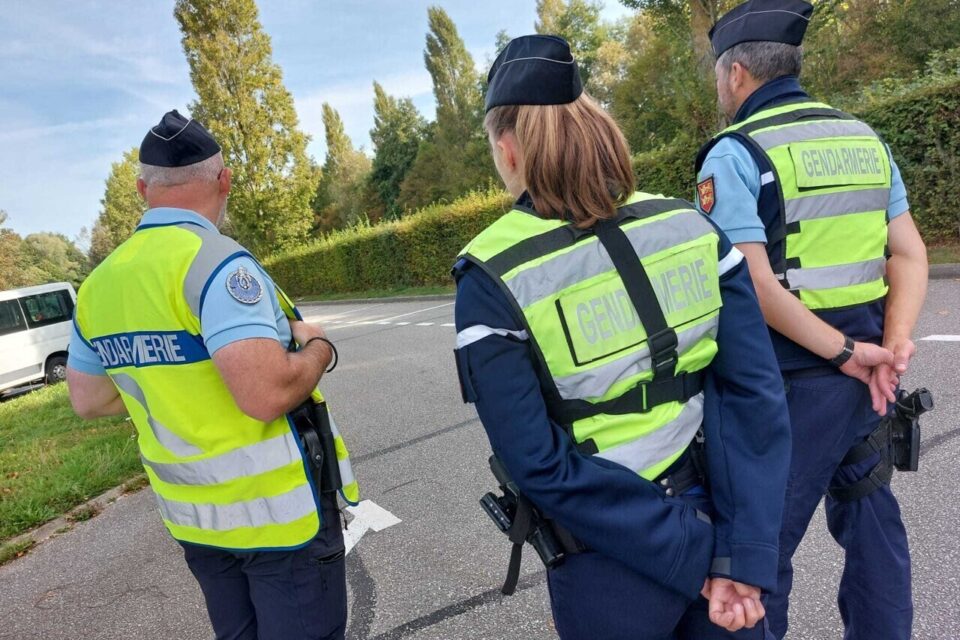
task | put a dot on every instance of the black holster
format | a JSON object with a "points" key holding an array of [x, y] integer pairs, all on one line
{"points": [[896, 439], [312, 421], [522, 522]]}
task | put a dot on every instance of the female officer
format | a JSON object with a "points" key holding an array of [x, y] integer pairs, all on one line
{"points": [[594, 372]]}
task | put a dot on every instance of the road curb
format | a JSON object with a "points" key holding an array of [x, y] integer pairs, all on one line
{"points": [[944, 271], [67, 521], [428, 298]]}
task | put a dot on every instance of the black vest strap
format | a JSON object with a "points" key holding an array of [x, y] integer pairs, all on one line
{"points": [[661, 338], [641, 399]]}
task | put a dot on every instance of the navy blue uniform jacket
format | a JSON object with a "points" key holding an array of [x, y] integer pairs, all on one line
{"points": [[611, 508]]}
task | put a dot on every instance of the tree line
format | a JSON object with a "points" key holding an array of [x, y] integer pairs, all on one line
{"points": [[653, 70]]}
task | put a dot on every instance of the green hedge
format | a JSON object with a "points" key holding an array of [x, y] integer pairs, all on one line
{"points": [[417, 250], [922, 128], [923, 131]]}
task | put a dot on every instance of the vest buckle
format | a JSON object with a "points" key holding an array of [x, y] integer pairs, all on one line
{"points": [[663, 352]]}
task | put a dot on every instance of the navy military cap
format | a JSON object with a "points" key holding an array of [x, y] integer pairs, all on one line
{"points": [[177, 142], [762, 21], [534, 70]]}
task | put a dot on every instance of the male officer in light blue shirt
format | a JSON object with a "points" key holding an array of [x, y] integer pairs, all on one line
{"points": [[284, 594], [749, 185]]}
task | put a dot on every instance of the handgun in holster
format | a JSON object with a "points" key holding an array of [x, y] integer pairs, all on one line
{"points": [[896, 439], [312, 421], [516, 516]]}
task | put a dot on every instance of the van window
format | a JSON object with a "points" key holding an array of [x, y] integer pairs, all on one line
{"points": [[11, 320], [47, 308]]}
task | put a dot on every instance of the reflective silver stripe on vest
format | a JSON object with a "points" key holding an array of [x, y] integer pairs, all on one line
{"points": [[259, 512], [595, 382], [251, 460], [214, 249], [346, 470], [659, 445], [591, 259], [810, 131], [164, 436], [827, 205], [844, 275]]}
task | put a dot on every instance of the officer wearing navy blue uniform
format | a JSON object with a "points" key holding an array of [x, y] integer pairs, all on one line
{"points": [[788, 168], [256, 593], [641, 560]]}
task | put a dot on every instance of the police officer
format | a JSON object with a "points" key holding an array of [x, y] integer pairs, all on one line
{"points": [[813, 199], [592, 371], [182, 329]]}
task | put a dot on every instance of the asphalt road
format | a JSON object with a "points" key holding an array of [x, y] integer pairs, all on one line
{"points": [[421, 454]]}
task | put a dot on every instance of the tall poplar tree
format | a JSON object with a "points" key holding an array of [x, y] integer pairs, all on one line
{"points": [[454, 158], [341, 196], [243, 102], [120, 208], [397, 131]]}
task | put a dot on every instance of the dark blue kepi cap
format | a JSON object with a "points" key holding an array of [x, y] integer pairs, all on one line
{"points": [[177, 142], [762, 21], [534, 70]]}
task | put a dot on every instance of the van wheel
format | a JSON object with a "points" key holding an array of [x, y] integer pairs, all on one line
{"points": [[56, 370]]}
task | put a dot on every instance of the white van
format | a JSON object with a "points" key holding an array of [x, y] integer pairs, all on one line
{"points": [[35, 327]]}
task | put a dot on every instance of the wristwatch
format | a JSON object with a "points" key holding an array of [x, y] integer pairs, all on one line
{"points": [[845, 354]]}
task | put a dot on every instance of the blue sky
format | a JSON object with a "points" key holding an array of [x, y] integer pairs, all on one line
{"points": [[84, 79]]}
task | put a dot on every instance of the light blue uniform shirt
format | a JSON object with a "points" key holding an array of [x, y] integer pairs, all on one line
{"points": [[736, 185], [223, 319]]}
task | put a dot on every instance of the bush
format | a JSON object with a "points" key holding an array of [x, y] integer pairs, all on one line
{"points": [[418, 250], [922, 128], [667, 171], [923, 131]]}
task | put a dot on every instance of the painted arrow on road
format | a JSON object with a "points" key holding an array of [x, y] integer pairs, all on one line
{"points": [[367, 516]]}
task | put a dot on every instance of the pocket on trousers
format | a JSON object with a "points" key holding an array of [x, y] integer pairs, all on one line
{"points": [[322, 596]]}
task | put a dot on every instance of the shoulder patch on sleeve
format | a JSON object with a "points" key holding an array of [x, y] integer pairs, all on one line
{"points": [[706, 195], [244, 286]]}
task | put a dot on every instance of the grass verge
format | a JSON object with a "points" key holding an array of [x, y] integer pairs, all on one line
{"points": [[944, 253], [381, 293], [51, 460]]}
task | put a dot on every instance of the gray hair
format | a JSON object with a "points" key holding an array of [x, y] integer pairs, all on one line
{"points": [[764, 60], [204, 171]]}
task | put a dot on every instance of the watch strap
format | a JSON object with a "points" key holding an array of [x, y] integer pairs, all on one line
{"points": [[845, 353]]}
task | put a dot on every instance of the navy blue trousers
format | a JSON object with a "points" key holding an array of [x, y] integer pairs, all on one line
{"points": [[276, 595], [829, 414], [594, 597]]}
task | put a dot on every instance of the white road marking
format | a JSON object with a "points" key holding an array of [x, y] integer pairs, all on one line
{"points": [[942, 338], [367, 516], [365, 307], [404, 315], [346, 324]]}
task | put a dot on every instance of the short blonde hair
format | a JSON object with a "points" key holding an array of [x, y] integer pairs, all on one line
{"points": [[575, 158]]}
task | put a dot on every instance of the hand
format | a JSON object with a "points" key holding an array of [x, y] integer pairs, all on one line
{"points": [[903, 350], [883, 388], [302, 332], [733, 605]]}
